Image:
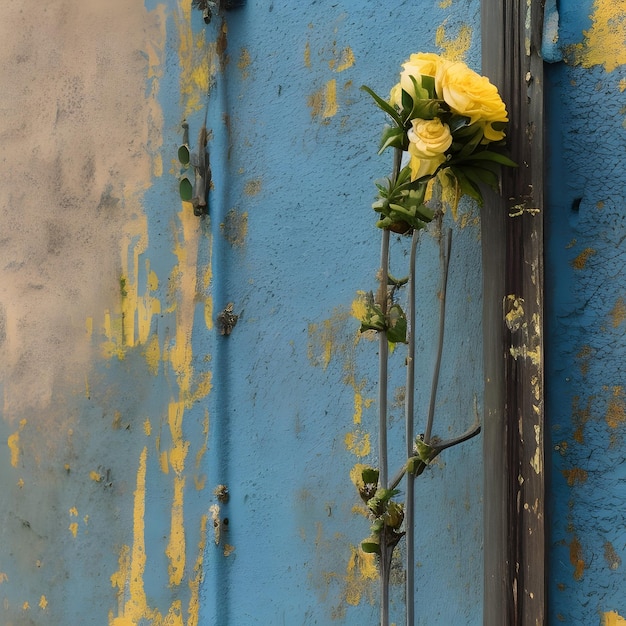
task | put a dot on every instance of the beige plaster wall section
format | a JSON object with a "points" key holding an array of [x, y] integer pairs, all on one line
{"points": [[75, 124]]}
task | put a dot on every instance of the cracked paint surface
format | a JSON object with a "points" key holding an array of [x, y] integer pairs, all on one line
{"points": [[585, 320]]}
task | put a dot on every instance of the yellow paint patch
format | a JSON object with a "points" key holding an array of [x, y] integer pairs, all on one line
{"points": [[13, 441], [197, 575], [199, 60], [3, 578], [307, 55], [344, 61], [613, 618], [580, 261], [43, 603], [575, 557], [152, 354], [147, 427], [323, 103], [454, 48], [361, 576], [618, 313], [175, 550], [359, 306], [73, 529], [95, 476], [330, 99], [358, 442], [324, 338], [356, 475], [132, 605], [605, 41], [74, 512]]}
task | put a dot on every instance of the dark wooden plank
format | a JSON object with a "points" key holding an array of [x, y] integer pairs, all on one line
{"points": [[512, 234]]}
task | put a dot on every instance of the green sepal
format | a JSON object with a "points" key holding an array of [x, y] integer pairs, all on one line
{"points": [[425, 452], [397, 325], [370, 475]]}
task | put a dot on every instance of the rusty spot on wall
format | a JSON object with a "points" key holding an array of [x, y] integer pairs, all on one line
{"points": [[244, 63], [575, 476], [616, 411], [580, 416], [252, 187], [235, 228], [584, 356], [576, 558], [618, 313], [611, 557], [580, 261]]}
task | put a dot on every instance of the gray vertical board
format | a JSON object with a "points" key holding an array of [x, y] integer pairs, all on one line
{"points": [[512, 235]]}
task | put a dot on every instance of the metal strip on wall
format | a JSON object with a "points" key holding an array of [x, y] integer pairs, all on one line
{"points": [[512, 236]]}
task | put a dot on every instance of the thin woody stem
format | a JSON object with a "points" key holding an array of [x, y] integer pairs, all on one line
{"points": [[409, 419], [383, 357], [445, 247]]}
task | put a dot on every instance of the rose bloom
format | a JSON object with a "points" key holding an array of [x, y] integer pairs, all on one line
{"points": [[420, 64], [472, 95], [428, 141]]}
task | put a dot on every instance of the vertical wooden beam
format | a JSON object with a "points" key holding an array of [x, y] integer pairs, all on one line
{"points": [[512, 236]]}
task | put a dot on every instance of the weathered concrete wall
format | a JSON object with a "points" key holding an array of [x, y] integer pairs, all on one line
{"points": [[586, 314], [123, 407]]}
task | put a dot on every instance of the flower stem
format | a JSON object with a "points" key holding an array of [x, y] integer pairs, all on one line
{"points": [[409, 421], [445, 247], [383, 357]]}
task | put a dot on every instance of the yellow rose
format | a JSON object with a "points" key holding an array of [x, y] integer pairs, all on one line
{"points": [[420, 64], [472, 95], [428, 141]]}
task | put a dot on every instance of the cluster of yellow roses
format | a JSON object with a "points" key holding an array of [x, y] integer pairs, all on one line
{"points": [[451, 121], [465, 93]]}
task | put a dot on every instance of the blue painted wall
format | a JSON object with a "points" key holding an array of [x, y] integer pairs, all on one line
{"points": [[585, 322], [109, 509]]}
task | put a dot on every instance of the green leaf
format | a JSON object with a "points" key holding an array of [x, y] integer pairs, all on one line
{"points": [[185, 189], [468, 187], [472, 144], [384, 105], [183, 154], [392, 137], [407, 102], [428, 83], [482, 175], [397, 326], [496, 157]]}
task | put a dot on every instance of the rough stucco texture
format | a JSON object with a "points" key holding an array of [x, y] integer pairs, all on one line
{"points": [[587, 315], [76, 129], [124, 408]]}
